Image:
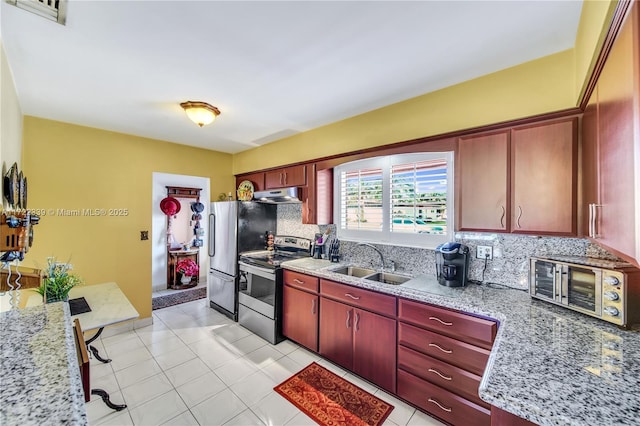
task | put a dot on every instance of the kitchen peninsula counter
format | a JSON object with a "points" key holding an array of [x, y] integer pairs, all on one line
{"points": [[40, 379], [549, 365]]}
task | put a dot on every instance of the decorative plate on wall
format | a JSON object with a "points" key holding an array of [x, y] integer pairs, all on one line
{"points": [[245, 191], [11, 186]]}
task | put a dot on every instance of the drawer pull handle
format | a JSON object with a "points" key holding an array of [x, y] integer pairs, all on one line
{"points": [[431, 370], [447, 351], [348, 318], [313, 306], [357, 321], [442, 407], [297, 281], [352, 296], [440, 321]]}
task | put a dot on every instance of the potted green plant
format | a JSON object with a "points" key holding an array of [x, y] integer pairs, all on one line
{"points": [[58, 281]]}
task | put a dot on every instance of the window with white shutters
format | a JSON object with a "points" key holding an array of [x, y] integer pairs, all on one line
{"points": [[419, 197], [404, 199], [362, 194]]}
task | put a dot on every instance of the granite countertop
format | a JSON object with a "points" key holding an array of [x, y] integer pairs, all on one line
{"points": [[549, 365], [39, 374]]}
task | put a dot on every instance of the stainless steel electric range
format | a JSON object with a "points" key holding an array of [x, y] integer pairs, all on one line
{"points": [[260, 294]]}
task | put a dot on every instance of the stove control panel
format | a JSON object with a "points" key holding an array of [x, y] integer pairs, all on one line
{"points": [[292, 243]]}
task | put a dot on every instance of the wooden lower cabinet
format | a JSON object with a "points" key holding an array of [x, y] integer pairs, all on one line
{"points": [[440, 402], [442, 355], [464, 327], [431, 357], [462, 382], [374, 352], [336, 332], [452, 351], [300, 317], [360, 341]]}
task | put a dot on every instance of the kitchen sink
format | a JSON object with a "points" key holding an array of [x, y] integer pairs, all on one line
{"points": [[354, 271], [388, 278]]}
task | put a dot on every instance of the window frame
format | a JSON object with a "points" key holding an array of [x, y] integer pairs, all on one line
{"points": [[386, 236]]}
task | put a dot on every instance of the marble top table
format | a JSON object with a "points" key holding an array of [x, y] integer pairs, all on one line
{"points": [[108, 306], [40, 380]]}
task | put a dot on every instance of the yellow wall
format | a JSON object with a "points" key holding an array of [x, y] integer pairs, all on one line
{"points": [[544, 85], [594, 23], [73, 167], [535, 87], [10, 118]]}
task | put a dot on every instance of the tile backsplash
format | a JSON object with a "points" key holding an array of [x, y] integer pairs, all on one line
{"points": [[509, 266]]}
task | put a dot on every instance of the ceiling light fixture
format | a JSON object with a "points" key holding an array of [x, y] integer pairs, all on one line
{"points": [[200, 113]]}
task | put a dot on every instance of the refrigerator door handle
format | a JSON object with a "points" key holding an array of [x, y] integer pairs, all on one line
{"points": [[221, 276], [212, 235]]}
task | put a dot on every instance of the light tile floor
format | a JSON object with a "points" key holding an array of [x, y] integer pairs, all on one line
{"points": [[194, 366]]}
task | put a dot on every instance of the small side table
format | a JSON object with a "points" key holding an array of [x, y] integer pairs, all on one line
{"points": [[173, 256]]}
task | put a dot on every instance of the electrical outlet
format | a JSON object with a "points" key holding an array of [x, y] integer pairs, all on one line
{"points": [[484, 252]]}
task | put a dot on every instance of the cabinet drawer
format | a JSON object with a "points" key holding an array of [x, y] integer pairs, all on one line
{"points": [[468, 328], [452, 351], [354, 296], [440, 402], [301, 281], [457, 380]]}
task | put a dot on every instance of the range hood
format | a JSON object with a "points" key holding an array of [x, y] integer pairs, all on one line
{"points": [[277, 196]]}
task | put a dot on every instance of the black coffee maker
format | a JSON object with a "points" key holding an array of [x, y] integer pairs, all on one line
{"points": [[452, 264]]}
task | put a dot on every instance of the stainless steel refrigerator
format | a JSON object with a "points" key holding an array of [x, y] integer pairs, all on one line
{"points": [[234, 227]]}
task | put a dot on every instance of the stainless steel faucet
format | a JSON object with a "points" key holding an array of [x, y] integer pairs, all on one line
{"points": [[377, 250]]}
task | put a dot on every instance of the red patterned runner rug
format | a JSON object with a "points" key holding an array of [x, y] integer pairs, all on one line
{"points": [[330, 400]]}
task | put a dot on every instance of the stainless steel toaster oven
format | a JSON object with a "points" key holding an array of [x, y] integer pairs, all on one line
{"points": [[601, 288]]}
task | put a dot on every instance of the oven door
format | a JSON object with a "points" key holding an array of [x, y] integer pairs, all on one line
{"points": [[258, 289], [581, 289], [543, 280]]}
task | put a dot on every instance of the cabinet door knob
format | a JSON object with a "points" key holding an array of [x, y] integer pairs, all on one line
{"points": [[502, 217], [348, 318], [313, 306]]}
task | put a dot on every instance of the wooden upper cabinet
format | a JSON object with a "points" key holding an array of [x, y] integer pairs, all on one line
{"points": [[257, 179], [618, 144], [521, 180], [483, 174], [544, 178], [317, 205], [589, 175], [285, 177]]}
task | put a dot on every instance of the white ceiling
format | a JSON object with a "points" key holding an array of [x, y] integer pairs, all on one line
{"points": [[273, 68]]}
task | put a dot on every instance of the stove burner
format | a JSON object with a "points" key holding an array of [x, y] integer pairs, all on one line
{"points": [[286, 248], [270, 260]]}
